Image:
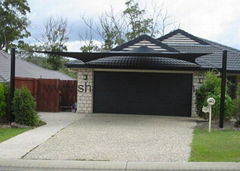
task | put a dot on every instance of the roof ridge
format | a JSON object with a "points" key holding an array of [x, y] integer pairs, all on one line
{"points": [[3, 78], [142, 37], [5, 54], [218, 44], [207, 42], [191, 36], [207, 62]]}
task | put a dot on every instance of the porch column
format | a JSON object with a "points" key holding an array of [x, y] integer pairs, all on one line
{"points": [[85, 91]]}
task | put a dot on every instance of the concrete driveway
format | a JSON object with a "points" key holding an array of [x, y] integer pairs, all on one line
{"points": [[111, 137]]}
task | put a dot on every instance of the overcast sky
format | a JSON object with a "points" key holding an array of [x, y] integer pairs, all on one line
{"points": [[216, 20]]}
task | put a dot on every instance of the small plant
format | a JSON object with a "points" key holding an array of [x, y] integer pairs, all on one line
{"points": [[3, 103], [211, 87], [24, 108]]}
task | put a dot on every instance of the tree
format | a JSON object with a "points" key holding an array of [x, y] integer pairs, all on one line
{"points": [[13, 22], [112, 30], [117, 28], [87, 39], [54, 39], [137, 22], [89, 47]]}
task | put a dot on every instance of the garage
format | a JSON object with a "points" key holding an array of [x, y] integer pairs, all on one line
{"points": [[168, 94], [142, 76]]}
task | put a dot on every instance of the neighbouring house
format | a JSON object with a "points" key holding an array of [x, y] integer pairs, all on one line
{"points": [[52, 90], [149, 84]]}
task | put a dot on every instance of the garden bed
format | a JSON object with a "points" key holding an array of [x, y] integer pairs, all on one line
{"points": [[228, 125]]}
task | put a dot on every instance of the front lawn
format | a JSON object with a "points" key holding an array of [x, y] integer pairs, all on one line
{"points": [[217, 146], [6, 133]]}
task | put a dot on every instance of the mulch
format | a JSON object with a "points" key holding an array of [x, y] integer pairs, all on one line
{"points": [[228, 125], [13, 125], [5, 125]]}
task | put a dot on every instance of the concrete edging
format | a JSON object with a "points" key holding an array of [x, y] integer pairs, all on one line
{"points": [[198, 166], [119, 165]]}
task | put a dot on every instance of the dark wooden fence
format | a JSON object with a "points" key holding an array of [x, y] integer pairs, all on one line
{"points": [[51, 95]]}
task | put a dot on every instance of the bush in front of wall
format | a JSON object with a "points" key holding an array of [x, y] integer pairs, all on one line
{"points": [[24, 108], [3, 103], [7, 94], [236, 108], [211, 87]]}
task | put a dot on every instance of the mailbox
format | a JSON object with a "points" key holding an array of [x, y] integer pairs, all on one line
{"points": [[205, 109], [211, 101], [208, 109]]}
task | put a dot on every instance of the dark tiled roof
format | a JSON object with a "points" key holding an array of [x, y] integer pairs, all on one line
{"points": [[144, 38], [213, 60], [218, 45], [185, 34], [176, 41], [133, 62]]}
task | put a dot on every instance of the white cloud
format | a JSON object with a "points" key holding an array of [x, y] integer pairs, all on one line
{"points": [[71, 9], [206, 18], [74, 46]]}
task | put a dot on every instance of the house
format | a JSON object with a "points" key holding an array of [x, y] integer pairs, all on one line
{"points": [[151, 84], [51, 89]]}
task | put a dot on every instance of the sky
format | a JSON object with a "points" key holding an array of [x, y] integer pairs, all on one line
{"points": [[216, 20]]}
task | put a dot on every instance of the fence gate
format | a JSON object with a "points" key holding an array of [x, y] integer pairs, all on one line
{"points": [[48, 95], [51, 95], [68, 93]]}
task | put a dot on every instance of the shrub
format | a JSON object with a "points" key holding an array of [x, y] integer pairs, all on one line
{"points": [[211, 87], [236, 108], [6, 92], [24, 108], [2, 103]]}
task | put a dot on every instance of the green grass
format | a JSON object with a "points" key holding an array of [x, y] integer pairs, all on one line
{"points": [[6, 133], [217, 146]]}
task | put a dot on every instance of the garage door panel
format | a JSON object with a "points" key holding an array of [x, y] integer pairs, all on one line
{"points": [[142, 93]]}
